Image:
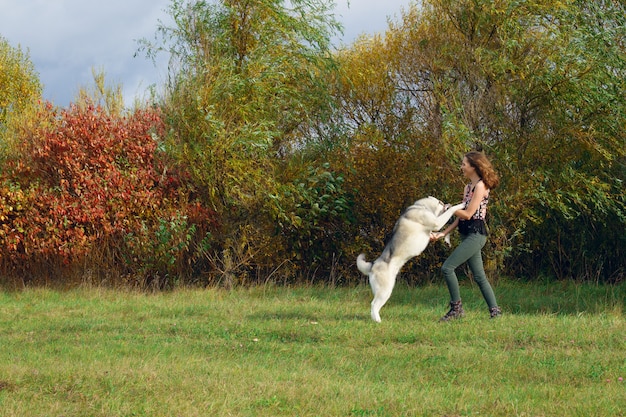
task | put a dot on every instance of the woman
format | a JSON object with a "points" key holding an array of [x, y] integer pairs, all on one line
{"points": [[471, 223]]}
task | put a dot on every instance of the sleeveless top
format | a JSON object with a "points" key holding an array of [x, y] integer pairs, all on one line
{"points": [[477, 223]]}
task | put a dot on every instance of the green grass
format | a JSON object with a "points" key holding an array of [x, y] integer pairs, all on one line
{"points": [[559, 350]]}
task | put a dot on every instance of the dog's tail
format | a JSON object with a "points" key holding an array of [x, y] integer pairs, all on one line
{"points": [[364, 266]]}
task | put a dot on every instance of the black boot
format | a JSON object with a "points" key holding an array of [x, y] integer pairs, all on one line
{"points": [[456, 311], [495, 312]]}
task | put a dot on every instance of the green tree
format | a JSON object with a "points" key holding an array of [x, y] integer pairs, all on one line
{"points": [[578, 169], [246, 79], [539, 85]]}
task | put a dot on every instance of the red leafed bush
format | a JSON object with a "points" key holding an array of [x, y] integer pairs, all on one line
{"points": [[90, 183]]}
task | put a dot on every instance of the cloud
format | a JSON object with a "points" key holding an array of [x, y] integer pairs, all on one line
{"points": [[66, 39], [367, 16]]}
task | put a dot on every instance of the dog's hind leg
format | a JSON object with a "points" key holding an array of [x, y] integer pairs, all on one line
{"points": [[382, 284], [378, 302]]}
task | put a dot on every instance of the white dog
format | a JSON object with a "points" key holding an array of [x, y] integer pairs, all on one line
{"points": [[411, 235]]}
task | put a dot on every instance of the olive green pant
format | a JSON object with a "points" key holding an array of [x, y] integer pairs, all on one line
{"points": [[468, 251]]}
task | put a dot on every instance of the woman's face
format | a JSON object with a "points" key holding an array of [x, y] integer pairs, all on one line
{"points": [[466, 168]]}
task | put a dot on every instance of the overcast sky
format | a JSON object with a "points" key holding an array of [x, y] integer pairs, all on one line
{"points": [[67, 38]]}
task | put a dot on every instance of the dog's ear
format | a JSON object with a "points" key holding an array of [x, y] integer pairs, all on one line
{"points": [[433, 203]]}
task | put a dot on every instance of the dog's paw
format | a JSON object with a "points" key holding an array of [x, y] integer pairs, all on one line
{"points": [[447, 239]]}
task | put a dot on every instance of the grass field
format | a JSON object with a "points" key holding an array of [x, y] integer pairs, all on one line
{"points": [[559, 350]]}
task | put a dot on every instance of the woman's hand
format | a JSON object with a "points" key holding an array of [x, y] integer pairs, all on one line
{"points": [[436, 236]]}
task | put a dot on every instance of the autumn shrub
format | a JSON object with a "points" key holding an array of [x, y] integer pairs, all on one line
{"points": [[312, 216], [571, 226], [91, 190], [276, 158]]}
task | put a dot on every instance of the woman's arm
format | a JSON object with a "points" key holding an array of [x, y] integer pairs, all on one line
{"points": [[479, 193], [439, 235]]}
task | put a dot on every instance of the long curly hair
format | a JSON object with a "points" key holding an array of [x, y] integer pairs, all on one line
{"points": [[483, 168]]}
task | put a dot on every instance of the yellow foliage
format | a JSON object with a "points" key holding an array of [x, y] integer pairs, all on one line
{"points": [[20, 95], [109, 98]]}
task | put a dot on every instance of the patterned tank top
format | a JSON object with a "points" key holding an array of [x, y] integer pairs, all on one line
{"points": [[481, 213]]}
